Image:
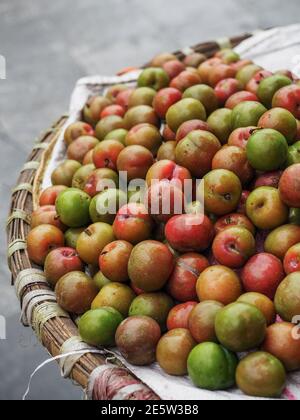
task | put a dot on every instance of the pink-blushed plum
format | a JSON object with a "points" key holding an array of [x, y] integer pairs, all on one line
{"points": [[220, 72], [289, 98], [61, 261], [179, 315], [289, 186], [263, 274], [164, 99], [196, 152], [133, 223], [253, 84], [167, 170], [234, 246], [240, 97], [268, 179], [234, 159], [41, 240], [226, 88], [205, 68], [233, 220], [189, 126], [182, 283], [292, 259], [240, 136], [185, 80], [173, 68], [189, 232], [281, 120]]}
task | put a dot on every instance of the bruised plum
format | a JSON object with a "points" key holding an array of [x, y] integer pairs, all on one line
{"points": [[93, 109], [114, 295], [261, 375], [141, 114], [63, 174], [173, 350], [114, 259], [80, 147], [108, 124], [76, 130], [75, 292], [154, 305], [137, 338], [202, 321], [150, 265], [81, 176]]}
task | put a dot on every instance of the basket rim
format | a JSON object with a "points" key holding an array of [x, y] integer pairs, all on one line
{"points": [[56, 331]]}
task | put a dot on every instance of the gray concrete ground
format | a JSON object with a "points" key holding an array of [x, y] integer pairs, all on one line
{"points": [[48, 45]]}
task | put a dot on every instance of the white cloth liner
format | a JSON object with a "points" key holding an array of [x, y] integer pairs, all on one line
{"points": [[274, 49]]}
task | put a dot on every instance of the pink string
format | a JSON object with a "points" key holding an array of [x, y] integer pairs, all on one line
{"points": [[112, 380], [289, 395]]}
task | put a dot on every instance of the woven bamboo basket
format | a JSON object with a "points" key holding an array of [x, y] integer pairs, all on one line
{"points": [[56, 328]]}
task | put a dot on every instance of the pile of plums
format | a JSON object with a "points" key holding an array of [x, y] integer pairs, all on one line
{"points": [[214, 295]]}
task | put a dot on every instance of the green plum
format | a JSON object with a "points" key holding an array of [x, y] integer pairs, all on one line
{"points": [[287, 298], [118, 134], [185, 110], [142, 96], [294, 216], [104, 206], [72, 235], [293, 156], [81, 176], [246, 73], [72, 206], [98, 327], [212, 367], [63, 174], [154, 305], [220, 122], [240, 327], [267, 150], [100, 280], [247, 114], [205, 94], [269, 86], [108, 124], [153, 77]]}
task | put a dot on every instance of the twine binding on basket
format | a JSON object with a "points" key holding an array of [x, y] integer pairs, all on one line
{"points": [[74, 348], [29, 277], [43, 313], [18, 214], [33, 165], [38, 306], [23, 187], [40, 146], [46, 133], [224, 42], [187, 51], [31, 299], [15, 246]]}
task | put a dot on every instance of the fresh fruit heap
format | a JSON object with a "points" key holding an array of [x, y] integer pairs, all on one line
{"points": [[187, 290]]}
